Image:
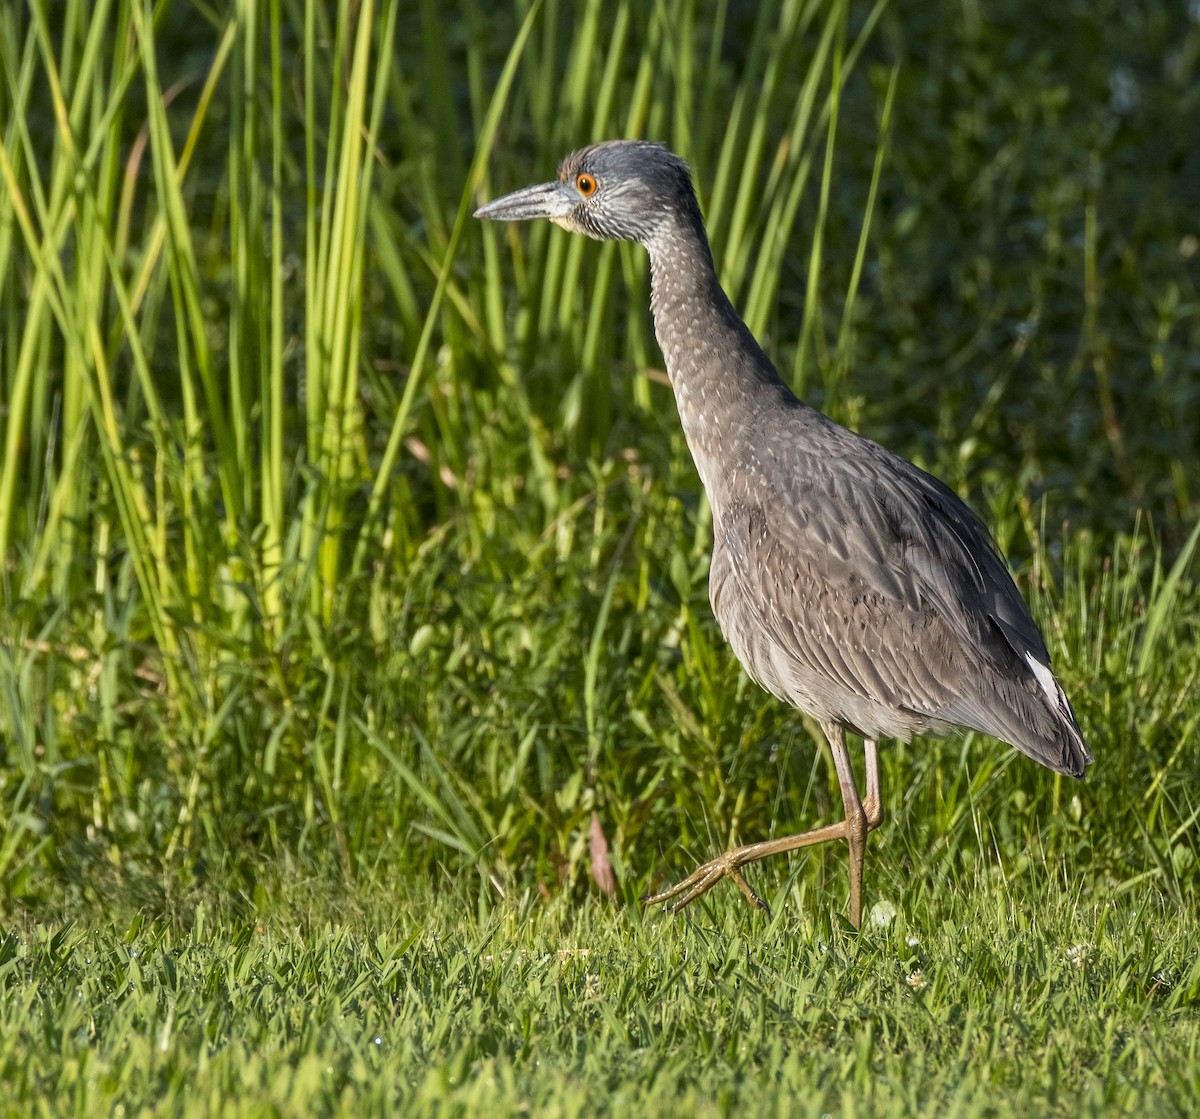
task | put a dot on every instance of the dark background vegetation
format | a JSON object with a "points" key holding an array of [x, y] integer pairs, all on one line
{"points": [[528, 644]]}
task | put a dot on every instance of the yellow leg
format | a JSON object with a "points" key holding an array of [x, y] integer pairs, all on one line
{"points": [[860, 819]]}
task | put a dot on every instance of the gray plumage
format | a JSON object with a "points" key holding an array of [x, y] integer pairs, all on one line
{"points": [[849, 583]]}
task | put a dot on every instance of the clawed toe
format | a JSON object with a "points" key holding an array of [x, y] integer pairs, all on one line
{"points": [[747, 891], [703, 879], [729, 865], [699, 882]]}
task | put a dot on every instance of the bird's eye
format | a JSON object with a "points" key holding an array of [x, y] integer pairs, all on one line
{"points": [[585, 184]]}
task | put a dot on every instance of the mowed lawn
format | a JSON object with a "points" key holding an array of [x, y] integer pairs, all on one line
{"points": [[993, 1000]]}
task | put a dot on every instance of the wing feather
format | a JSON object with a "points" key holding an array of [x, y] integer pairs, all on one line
{"points": [[860, 588]]}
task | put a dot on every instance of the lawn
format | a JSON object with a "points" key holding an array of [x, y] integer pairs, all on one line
{"points": [[357, 672], [992, 999]]}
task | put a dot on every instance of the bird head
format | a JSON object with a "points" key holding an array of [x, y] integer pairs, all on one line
{"points": [[620, 190]]}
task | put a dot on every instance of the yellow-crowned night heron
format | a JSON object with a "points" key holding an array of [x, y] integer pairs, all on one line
{"points": [[849, 583]]}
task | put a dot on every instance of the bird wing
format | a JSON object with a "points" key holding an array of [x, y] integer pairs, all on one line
{"points": [[870, 573]]}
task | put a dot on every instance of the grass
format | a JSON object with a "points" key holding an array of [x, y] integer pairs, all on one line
{"points": [[988, 1001], [355, 640]]}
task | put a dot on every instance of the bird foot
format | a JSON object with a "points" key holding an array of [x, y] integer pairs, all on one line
{"points": [[729, 865], [703, 879]]}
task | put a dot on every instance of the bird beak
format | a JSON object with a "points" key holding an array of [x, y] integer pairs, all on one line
{"points": [[546, 200]]}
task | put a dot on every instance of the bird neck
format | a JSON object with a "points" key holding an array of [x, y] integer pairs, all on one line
{"points": [[718, 371]]}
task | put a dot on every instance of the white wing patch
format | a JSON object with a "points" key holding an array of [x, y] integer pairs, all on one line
{"points": [[1046, 678]]}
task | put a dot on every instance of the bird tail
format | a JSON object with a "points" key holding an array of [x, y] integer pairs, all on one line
{"points": [[1068, 751], [1033, 714]]}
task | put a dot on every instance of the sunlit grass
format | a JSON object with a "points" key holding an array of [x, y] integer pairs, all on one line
{"points": [[354, 570], [988, 1002]]}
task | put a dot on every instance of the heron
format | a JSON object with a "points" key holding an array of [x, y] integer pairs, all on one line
{"points": [[849, 583]]}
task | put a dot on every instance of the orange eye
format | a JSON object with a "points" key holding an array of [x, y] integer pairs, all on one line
{"points": [[585, 184]]}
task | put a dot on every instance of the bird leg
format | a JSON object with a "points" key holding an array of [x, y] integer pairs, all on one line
{"points": [[856, 817], [860, 819], [873, 801], [729, 865]]}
